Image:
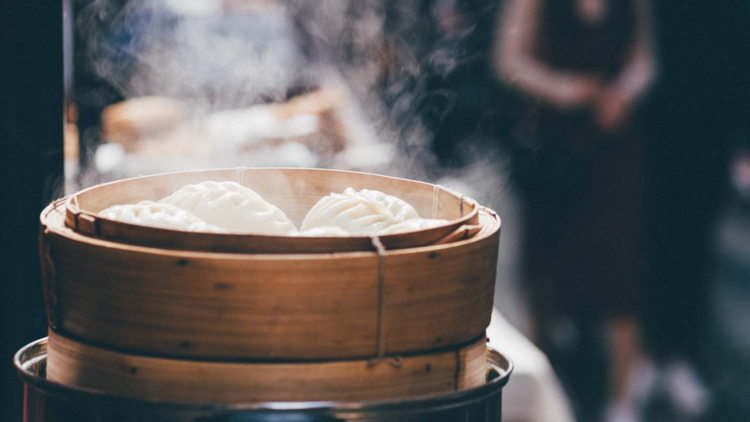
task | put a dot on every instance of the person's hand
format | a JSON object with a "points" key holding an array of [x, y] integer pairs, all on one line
{"points": [[573, 92], [613, 110], [741, 175]]}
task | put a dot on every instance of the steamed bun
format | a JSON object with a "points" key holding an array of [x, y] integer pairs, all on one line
{"points": [[165, 216], [413, 225], [322, 231], [232, 207], [365, 212]]}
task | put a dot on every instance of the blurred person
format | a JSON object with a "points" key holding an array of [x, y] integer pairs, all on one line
{"points": [[699, 103], [741, 176], [580, 163]]}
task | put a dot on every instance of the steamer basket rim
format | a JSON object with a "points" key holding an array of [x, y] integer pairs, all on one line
{"points": [[78, 237], [71, 201]]}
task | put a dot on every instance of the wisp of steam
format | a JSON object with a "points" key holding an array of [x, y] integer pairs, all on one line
{"points": [[224, 55]]}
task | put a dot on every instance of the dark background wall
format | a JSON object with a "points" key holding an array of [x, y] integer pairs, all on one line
{"points": [[31, 166]]}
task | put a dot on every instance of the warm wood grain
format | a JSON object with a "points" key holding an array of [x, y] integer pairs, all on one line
{"points": [[295, 191], [77, 364], [280, 307]]}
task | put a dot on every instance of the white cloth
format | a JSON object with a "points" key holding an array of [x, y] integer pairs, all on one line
{"points": [[534, 394]]}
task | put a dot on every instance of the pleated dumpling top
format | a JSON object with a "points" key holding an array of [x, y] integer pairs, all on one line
{"points": [[153, 214], [233, 207], [360, 213]]}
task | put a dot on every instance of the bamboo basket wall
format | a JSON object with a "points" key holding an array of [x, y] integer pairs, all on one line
{"points": [[294, 191], [77, 364], [267, 306]]}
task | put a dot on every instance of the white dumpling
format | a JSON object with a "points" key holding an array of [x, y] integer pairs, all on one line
{"points": [[232, 207], [323, 231], [364, 212], [413, 225], [206, 228], [165, 216]]}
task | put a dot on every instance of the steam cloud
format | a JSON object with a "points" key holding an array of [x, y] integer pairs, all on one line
{"points": [[216, 61], [219, 60]]}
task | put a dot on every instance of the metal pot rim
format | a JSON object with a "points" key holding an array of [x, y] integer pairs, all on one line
{"points": [[34, 354]]}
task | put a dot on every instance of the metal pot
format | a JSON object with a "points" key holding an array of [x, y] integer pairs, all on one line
{"points": [[51, 402]]}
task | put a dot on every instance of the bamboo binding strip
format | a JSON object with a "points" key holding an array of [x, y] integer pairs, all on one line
{"points": [[272, 307], [294, 191], [77, 364]]}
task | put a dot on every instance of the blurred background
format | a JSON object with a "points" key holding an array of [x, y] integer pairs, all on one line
{"points": [[612, 136]]}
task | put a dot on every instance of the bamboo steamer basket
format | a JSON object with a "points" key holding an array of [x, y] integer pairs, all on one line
{"points": [[294, 191], [48, 401], [77, 364], [274, 307]]}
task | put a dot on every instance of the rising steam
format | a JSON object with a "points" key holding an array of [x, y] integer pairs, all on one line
{"points": [[218, 55]]}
